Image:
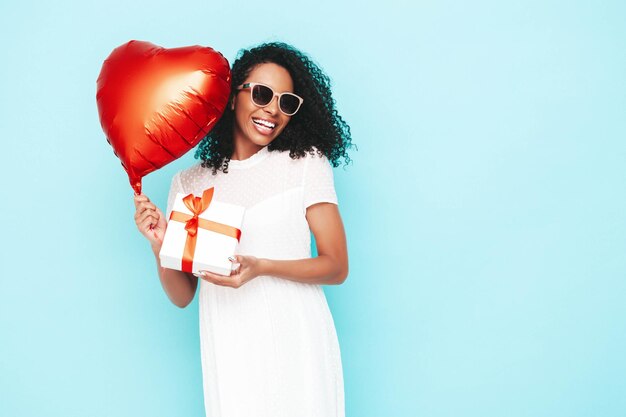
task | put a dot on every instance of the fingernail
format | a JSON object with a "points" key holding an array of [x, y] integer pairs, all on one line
{"points": [[230, 258]]}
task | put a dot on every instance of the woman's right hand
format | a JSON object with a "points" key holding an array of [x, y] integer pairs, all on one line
{"points": [[150, 220]]}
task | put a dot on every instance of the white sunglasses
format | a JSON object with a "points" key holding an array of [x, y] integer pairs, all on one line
{"points": [[262, 95]]}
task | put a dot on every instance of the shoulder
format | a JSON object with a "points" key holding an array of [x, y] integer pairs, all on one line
{"points": [[315, 153], [311, 163], [311, 155], [188, 178], [315, 160]]}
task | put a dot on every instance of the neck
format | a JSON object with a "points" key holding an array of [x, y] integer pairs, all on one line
{"points": [[244, 149]]}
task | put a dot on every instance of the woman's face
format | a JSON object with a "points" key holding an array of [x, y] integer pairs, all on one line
{"points": [[249, 118]]}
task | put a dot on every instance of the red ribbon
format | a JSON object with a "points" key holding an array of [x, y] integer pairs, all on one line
{"points": [[197, 206]]}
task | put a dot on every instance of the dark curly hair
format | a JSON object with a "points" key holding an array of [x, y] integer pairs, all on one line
{"points": [[317, 123]]}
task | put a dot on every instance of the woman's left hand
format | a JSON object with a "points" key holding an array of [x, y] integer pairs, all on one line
{"points": [[249, 268]]}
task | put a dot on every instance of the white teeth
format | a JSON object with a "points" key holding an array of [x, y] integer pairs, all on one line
{"points": [[264, 123]]}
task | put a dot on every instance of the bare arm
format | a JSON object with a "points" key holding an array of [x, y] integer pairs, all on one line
{"points": [[328, 268], [179, 286]]}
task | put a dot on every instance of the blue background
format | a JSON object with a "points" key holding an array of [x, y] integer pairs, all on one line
{"points": [[485, 208]]}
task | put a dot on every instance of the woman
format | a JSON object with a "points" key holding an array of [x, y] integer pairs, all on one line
{"points": [[268, 341]]}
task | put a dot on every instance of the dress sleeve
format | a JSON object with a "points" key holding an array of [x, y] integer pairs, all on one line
{"points": [[318, 181], [175, 188]]}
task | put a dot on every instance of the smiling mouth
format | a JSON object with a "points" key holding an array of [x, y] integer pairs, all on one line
{"points": [[263, 126]]}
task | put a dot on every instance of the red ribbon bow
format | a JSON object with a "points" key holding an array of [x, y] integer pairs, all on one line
{"points": [[197, 205]]}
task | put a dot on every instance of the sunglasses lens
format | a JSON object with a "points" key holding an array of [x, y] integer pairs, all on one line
{"points": [[289, 103], [262, 95]]}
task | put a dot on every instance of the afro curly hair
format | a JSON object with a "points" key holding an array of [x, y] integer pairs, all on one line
{"points": [[317, 123]]}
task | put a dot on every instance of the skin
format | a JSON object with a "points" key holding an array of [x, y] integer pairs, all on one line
{"points": [[330, 267]]}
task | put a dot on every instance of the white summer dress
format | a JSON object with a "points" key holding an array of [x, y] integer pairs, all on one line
{"points": [[269, 348]]}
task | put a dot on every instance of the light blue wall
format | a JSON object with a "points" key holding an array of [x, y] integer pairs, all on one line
{"points": [[485, 208]]}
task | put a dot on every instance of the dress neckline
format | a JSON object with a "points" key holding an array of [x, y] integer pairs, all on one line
{"points": [[254, 159]]}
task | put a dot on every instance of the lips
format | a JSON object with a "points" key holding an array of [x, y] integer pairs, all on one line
{"points": [[263, 126]]}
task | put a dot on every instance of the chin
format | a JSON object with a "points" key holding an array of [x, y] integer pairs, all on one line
{"points": [[262, 141]]}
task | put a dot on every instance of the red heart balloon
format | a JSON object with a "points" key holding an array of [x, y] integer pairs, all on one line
{"points": [[155, 104]]}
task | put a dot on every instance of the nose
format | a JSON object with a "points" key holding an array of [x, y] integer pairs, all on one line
{"points": [[272, 107]]}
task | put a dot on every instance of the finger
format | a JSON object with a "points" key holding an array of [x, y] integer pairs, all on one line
{"points": [[234, 264], [236, 276], [139, 212], [148, 213], [140, 209], [240, 259], [147, 224], [139, 199], [143, 207], [147, 204], [212, 278], [235, 280], [211, 275], [217, 278], [151, 220]]}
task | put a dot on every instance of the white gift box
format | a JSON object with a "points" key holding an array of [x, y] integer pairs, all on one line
{"points": [[212, 248]]}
